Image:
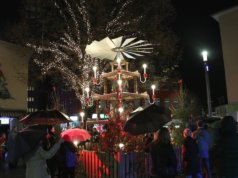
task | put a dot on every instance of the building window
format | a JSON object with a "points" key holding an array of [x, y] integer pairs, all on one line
{"points": [[30, 99], [30, 88]]}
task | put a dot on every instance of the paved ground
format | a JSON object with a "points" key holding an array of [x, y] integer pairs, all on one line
{"points": [[20, 173], [6, 172]]}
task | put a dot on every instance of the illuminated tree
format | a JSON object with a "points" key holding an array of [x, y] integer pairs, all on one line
{"points": [[59, 31]]}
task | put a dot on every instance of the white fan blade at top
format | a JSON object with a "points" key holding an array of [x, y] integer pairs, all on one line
{"points": [[101, 49], [119, 56], [110, 56], [117, 41], [127, 41], [140, 41], [134, 53], [128, 55], [142, 45], [106, 42], [118, 48]]}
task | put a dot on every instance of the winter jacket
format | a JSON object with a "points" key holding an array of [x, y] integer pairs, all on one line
{"points": [[226, 156], [203, 139], [162, 156], [190, 155], [36, 166]]}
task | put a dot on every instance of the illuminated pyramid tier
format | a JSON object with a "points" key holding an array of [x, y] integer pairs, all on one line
{"points": [[129, 84]]}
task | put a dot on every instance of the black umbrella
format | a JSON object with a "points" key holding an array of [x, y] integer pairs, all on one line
{"points": [[27, 140], [148, 120], [50, 117]]}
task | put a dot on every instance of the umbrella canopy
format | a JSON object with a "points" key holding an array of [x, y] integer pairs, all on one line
{"points": [[148, 120], [137, 110], [174, 122], [118, 48], [50, 117], [27, 140], [75, 135]]}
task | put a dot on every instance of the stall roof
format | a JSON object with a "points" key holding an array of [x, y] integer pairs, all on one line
{"points": [[12, 113]]}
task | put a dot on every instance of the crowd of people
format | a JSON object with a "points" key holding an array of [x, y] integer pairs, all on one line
{"points": [[164, 162], [201, 156], [52, 157]]}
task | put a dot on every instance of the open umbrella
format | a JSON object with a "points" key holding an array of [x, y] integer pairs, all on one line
{"points": [[27, 140], [50, 117], [150, 119], [137, 110], [174, 122], [75, 135]]}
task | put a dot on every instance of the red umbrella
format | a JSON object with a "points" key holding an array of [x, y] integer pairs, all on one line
{"points": [[75, 135]]}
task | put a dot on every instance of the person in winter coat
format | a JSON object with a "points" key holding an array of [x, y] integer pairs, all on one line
{"points": [[68, 161], [2, 147], [226, 149], [36, 166], [164, 162], [203, 139], [10, 148], [52, 163], [190, 156]]}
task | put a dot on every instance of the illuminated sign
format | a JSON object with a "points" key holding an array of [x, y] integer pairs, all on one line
{"points": [[4, 121]]}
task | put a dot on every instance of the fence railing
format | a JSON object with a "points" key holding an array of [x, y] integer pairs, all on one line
{"points": [[119, 165]]}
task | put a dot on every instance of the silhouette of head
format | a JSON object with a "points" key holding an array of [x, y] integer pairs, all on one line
{"points": [[200, 124], [164, 135], [187, 133], [228, 125]]}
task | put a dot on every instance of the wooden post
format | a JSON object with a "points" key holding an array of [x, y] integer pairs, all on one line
{"points": [[105, 87], [135, 85]]}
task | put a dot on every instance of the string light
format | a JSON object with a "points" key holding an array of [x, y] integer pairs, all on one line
{"points": [[59, 53]]}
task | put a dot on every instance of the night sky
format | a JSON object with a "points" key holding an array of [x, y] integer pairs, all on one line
{"points": [[9, 11], [196, 29]]}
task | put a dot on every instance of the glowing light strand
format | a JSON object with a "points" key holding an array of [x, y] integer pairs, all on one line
{"points": [[77, 76], [62, 15], [82, 9], [71, 12], [115, 25]]}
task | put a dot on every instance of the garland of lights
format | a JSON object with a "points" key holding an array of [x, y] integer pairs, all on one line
{"points": [[70, 43]]}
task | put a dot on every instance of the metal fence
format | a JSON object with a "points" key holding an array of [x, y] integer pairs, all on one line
{"points": [[119, 165]]}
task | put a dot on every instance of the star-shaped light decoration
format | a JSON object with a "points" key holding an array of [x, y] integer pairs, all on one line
{"points": [[118, 48]]}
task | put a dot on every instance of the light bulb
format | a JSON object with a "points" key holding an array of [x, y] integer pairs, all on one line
{"points": [[204, 55], [153, 89], [94, 71], [120, 109], [144, 66]]}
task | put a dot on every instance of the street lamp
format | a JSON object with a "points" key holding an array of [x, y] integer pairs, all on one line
{"points": [[206, 70]]}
